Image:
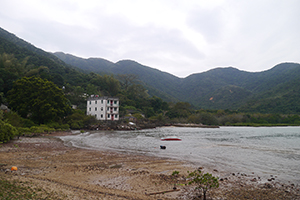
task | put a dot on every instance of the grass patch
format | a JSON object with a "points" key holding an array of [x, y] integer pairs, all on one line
{"points": [[115, 166], [21, 190]]}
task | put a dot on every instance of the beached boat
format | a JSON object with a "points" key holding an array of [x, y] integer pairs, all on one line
{"points": [[171, 138]]}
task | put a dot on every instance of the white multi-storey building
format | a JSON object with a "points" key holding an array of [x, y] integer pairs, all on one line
{"points": [[103, 108]]}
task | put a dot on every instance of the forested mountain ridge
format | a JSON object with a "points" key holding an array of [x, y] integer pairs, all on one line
{"points": [[219, 88], [36, 60], [158, 83], [272, 91], [10, 43], [97, 65], [228, 87]]}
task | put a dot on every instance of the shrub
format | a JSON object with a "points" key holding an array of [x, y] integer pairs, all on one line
{"points": [[41, 129], [204, 182], [7, 132], [37, 129], [79, 120], [23, 131], [174, 178], [64, 127], [138, 116], [75, 126]]}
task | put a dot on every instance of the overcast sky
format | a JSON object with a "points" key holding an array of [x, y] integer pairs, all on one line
{"points": [[180, 37]]}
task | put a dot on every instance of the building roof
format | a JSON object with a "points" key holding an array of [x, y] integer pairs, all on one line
{"points": [[96, 97]]}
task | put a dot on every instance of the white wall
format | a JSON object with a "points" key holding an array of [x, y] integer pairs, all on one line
{"points": [[103, 109]]}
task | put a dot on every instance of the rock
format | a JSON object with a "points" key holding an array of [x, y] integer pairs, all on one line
{"points": [[267, 185]]}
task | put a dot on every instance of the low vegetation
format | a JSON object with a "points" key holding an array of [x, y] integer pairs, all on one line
{"points": [[203, 182], [22, 190]]}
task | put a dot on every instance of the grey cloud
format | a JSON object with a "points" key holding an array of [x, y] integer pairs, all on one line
{"points": [[250, 35], [207, 22]]}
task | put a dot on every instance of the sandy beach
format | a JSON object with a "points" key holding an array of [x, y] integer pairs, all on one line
{"points": [[44, 163]]}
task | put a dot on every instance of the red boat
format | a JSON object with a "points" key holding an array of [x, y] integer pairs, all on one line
{"points": [[171, 138]]}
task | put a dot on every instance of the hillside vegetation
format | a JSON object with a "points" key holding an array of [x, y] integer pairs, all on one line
{"points": [[220, 88], [272, 91], [32, 82]]}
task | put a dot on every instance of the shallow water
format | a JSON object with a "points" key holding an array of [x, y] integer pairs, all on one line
{"points": [[265, 151]]}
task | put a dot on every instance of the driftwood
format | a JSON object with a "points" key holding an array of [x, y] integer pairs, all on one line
{"points": [[162, 192]]}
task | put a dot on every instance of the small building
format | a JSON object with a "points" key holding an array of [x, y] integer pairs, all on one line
{"points": [[103, 108]]}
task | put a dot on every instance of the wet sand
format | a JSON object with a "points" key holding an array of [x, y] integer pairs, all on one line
{"points": [[72, 173]]}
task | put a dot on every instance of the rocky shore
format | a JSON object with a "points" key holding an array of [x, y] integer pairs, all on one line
{"points": [[195, 125], [142, 124], [44, 163]]}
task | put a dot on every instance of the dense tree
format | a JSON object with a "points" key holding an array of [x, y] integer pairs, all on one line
{"points": [[158, 104], [79, 120], [1, 95], [13, 65], [7, 78], [127, 80], [179, 110], [109, 86], [92, 89], [203, 118], [38, 99]]}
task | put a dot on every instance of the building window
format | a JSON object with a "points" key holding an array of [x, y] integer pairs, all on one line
{"points": [[95, 102], [101, 116], [95, 108], [115, 109], [107, 108], [96, 116], [90, 109], [108, 115], [115, 102], [116, 116], [101, 108], [101, 101], [90, 102]]}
